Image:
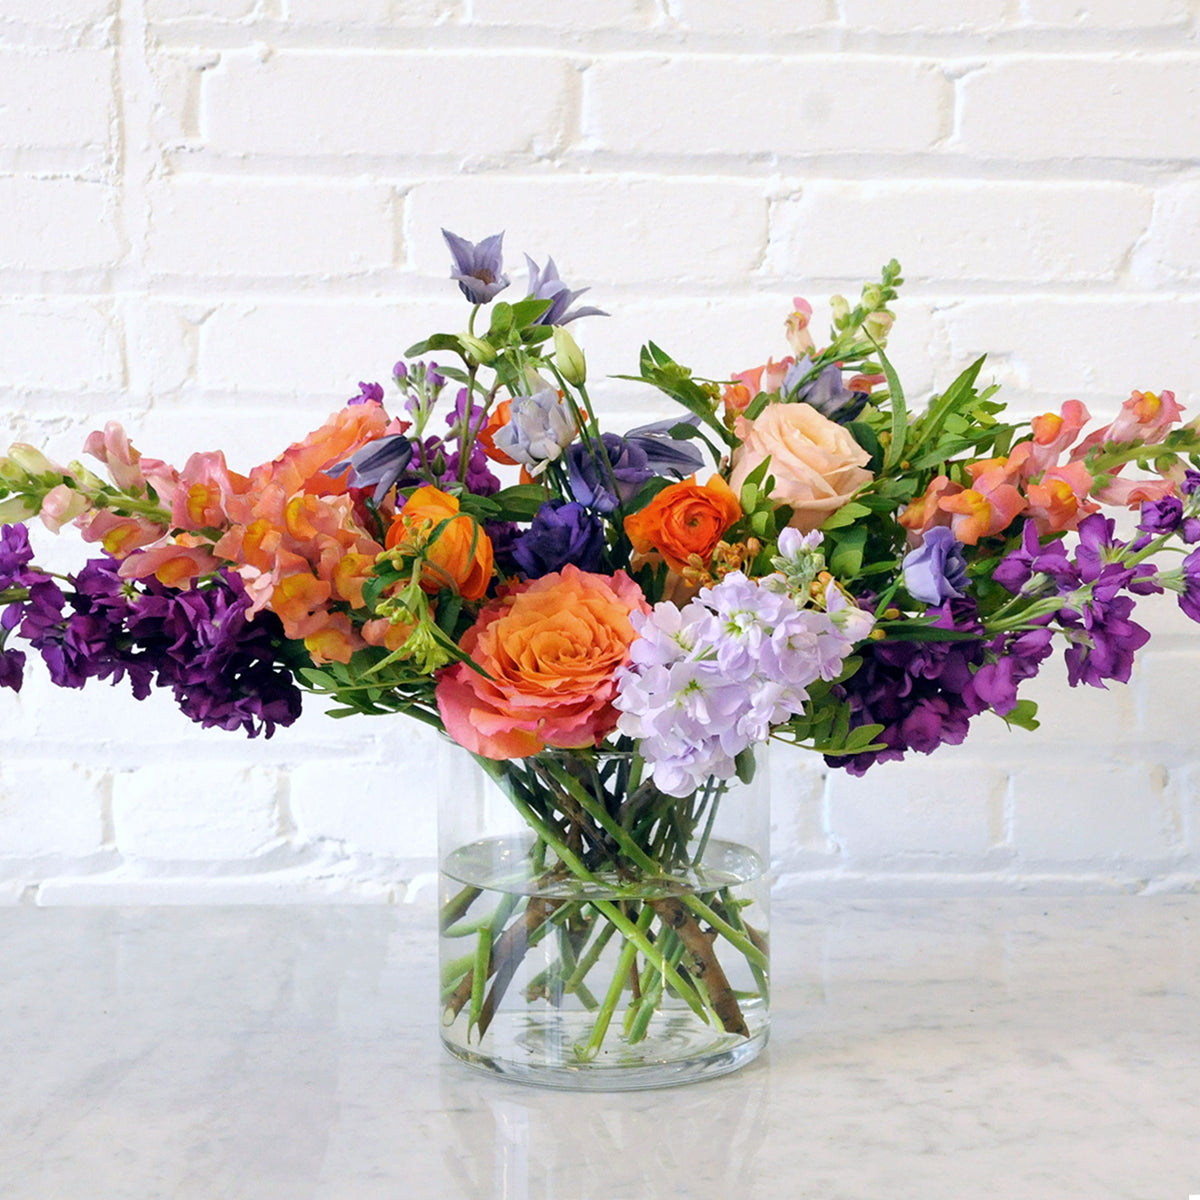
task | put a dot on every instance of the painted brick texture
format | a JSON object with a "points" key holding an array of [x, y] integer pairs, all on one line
{"points": [[220, 215]]}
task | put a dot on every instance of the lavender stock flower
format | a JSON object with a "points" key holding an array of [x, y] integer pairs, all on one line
{"points": [[478, 266]]}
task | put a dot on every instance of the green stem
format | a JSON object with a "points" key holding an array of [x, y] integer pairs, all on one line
{"points": [[640, 858], [620, 978], [615, 916]]}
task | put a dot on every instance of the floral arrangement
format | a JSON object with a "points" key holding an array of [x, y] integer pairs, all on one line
{"points": [[796, 556]]}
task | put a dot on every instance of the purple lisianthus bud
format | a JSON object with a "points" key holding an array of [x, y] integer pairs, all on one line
{"points": [[367, 392], [1161, 516], [400, 372], [937, 569], [1191, 482], [605, 486], [826, 393], [544, 284], [538, 431], [562, 532], [478, 266]]}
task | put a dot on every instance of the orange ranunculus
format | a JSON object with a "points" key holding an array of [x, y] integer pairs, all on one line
{"points": [[550, 649], [459, 557], [685, 519]]}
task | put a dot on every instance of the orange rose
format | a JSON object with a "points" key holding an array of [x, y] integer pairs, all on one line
{"points": [[551, 649], [459, 557], [685, 519]]}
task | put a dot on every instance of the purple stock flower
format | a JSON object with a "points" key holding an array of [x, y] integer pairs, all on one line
{"points": [[562, 532], [667, 455], [922, 693], [1031, 558], [478, 266], [1189, 597], [1017, 657], [1103, 641], [545, 284], [937, 569], [1100, 559], [15, 555], [605, 475], [1161, 516], [366, 393], [12, 669]]}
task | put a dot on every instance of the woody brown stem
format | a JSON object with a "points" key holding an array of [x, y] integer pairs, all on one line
{"points": [[507, 951], [702, 962]]}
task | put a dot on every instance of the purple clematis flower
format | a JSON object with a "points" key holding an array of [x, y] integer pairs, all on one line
{"points": [[478, 266], [545, 284], [379, 464], [667, 455]]}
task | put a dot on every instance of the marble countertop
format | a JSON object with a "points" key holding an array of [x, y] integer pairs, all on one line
{"points": [[1002, 1047]]}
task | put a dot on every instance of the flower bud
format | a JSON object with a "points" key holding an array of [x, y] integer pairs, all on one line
{"points": [[30, 460], [569, 357], [478, 350], [16, 508]]}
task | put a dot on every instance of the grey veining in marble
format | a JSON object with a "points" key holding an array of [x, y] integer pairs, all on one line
{"points": [[1020, 1048]]}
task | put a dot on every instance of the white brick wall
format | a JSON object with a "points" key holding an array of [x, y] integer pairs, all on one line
{"points": [[219, 215]]}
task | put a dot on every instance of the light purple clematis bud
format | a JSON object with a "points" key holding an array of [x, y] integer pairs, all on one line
{"points": [[544, 284], [538, 431], [478, 266]]}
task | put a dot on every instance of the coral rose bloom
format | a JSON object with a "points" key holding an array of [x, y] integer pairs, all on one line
{"points": [[460, 556], [551, 649], [685, 519], [817, 465]]}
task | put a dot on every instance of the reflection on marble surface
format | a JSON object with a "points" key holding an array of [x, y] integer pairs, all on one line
{"points": [[1024, 1048]]}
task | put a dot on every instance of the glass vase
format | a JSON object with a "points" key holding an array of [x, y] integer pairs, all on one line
{"points": [[597, 933]]}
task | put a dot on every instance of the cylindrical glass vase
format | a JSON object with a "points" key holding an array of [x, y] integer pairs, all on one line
{"points": [[596, 933]]}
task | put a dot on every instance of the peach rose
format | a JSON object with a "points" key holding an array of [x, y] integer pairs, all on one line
{"points": [[550, 648], [684, 519], [461, 555], [817, 465]]}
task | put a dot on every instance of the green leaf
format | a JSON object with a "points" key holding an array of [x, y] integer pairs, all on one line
{"points": [[846, 559], [895, 451], [868, 439], [519, 502], [526, 311], [744, 765], [848, 514], [439, 341], [1024, 716]]}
